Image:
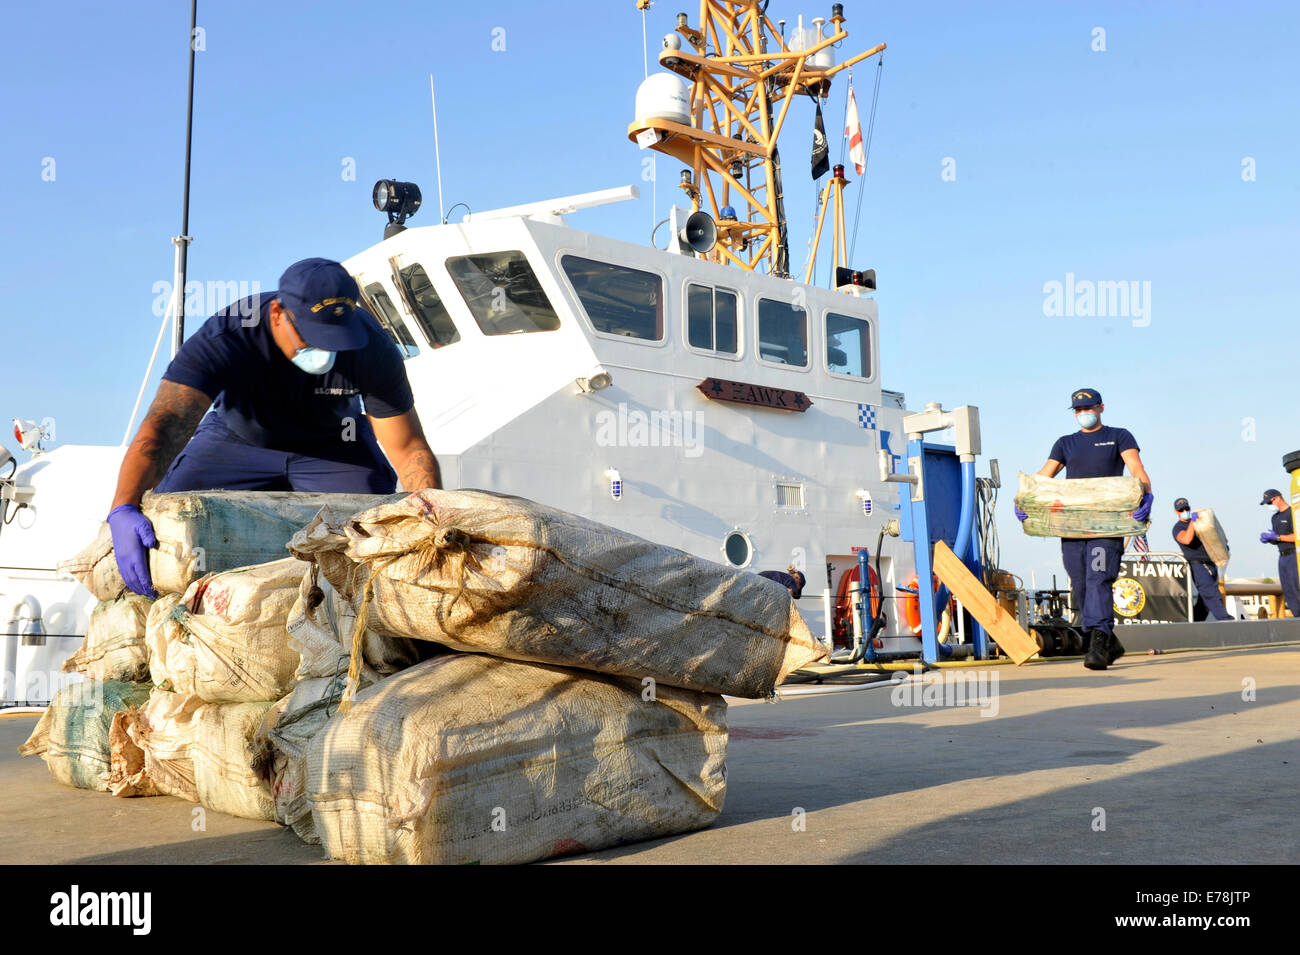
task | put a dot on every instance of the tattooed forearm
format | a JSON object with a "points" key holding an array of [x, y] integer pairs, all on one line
{"points": [[403, 442], [170, 423], [166, 429], [419, 470]]}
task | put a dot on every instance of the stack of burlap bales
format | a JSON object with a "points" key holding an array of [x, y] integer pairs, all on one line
{"points": [[584, 706], [454, 676], [318, 626], [87, 736], [1080, 507]]}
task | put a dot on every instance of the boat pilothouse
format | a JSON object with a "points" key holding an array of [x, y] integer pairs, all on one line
{"points": [[722, 411], [697, 396]]}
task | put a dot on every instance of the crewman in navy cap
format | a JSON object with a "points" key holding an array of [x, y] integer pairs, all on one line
{"points": [[285, 375], [1283, 535], [1096, 450], [792, 580], [1204, 573]]}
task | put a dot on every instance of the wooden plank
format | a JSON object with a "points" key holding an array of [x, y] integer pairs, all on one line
{"points": [[1001, 626]]}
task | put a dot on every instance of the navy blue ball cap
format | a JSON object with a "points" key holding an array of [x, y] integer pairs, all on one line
{"points": [[1085, 398], [324, 300], [1182, 505], [1270, 494]]}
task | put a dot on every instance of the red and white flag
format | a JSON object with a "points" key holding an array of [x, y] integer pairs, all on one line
{"points": [[853, 130], [1138, 545]]}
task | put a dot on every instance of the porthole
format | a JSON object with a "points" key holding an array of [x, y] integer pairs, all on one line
{"points": [[738, 549]]}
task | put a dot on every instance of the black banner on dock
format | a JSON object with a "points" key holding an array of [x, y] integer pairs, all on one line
{"points": [[1151, 588]]}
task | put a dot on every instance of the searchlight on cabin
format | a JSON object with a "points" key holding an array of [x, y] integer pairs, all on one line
{"points": [[29, 435], [400, 200]]}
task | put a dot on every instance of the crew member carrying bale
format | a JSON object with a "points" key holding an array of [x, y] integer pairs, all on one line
{"points": [[1095, 451], [1204, 573]]}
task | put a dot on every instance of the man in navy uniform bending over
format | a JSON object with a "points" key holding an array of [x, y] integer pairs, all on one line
{"points": [[1096, 450], [287, 372], [1203, 570], [792, 580]]}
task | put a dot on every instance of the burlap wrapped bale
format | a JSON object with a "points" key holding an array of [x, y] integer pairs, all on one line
{"points": [[205, 532], [281, 743], [469, 758], [1210, 533], [127, 775], [114, 648], [489, 573], [1080, 507], [225, 639], [321, 626], [323, 541], [73, 734], [96, 569], [165, 729], [161, 631], [223, 754]]}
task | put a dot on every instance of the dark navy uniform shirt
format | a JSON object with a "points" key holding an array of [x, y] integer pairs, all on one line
{"points": [[1282, 525], [784, 579], [264, 398], [1194, 552], [1095, 454]]}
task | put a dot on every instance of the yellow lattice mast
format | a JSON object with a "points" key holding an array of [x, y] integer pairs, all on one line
{"points": [[743, 77]]}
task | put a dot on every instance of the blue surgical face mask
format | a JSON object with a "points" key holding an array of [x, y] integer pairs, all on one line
{"points": [[314, 361], [1184, 514], [1087, 419]]}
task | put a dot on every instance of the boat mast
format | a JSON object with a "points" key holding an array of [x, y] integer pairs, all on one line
{"points": [[182, 241], [176, 307], [743, 79]]}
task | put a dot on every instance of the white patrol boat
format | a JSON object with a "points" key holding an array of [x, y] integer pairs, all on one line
{"points": [[700, 395]]}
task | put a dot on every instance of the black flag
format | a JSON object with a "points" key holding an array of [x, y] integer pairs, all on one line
{"points": [[821, 154]]}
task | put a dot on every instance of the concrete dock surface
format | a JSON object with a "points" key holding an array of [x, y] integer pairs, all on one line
{"points": [[1188, 757]]}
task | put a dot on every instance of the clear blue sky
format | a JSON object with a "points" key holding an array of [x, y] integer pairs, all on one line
{"points": [[1116, 165]]}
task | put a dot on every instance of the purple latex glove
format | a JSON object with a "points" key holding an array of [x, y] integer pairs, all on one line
{"points": [[1144, 509], [1192, 519], [132, 537], [1021, 516], [1268, 537]]}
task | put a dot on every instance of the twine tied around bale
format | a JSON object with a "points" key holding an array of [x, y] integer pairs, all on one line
{"points": [[181, 613], [443, 542]]}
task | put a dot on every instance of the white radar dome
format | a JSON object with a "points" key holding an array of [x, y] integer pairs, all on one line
{"points": [[664, 96]]}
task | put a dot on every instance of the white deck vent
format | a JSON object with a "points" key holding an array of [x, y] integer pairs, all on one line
{"points": [[789, 495]]}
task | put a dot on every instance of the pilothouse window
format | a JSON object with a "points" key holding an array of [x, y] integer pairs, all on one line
{"points": [[848, 345], [381, 306], [711, 318], [503, 293], [618, 300], [426, 305], [782, 332]]}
